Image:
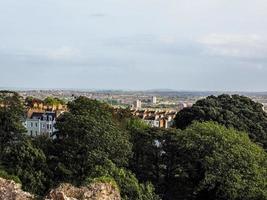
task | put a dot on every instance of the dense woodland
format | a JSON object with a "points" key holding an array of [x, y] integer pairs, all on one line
{"points": [[215, 152]]}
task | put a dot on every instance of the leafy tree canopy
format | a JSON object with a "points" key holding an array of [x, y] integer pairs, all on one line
{"points": [[53, 101], [213, 162], [234, 111], [11, 112], [90, 135], [204, 161]]}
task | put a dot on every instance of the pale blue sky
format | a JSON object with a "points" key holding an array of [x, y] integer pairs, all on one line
{"points": [[140, 44]]}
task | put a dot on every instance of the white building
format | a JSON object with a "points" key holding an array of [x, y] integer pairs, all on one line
{"points": [[138, 104], [41, 123], [152, 121], [154, 100], [182, 105]]}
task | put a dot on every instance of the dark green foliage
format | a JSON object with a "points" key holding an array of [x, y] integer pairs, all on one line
{"points": [[89, 135], [213, 162], [148, 161], [129, 186], [28, 163], [205, 161], [18, 156], [11, 112], [234, 111]]}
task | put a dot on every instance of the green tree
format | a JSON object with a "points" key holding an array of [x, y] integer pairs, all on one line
{"points": [[209, 161], [27, 162], [204, 161], [234, 111], [53, 101], [18, 156], [11, 118], [148, 161], [11, 112], [88, 134]]}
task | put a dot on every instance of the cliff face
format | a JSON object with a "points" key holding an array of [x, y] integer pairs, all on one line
{"points": [[9, 190], [95, 191]]}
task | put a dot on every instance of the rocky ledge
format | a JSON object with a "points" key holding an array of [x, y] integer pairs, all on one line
{"points": [[9, 190], [95, 191]]}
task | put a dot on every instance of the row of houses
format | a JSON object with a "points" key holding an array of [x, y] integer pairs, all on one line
{"points": [[154, 118], [42, 123]]}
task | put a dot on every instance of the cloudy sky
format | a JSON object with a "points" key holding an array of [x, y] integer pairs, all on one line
{"points": [[140, 44]]}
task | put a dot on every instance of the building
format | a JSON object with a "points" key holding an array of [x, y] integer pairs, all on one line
{"points": [[152, 121], [182, 105], [41, 123], [154, 100], [154, 118], [137, 104]]}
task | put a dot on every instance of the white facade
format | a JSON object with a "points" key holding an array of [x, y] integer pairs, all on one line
{"points": [[41, 125], [152, 123], [182, 105], [154, 100], [138, 104]]}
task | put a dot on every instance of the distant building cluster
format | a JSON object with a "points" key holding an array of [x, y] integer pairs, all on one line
{"points": [[159, 119], [138, 103], [42, 116]]}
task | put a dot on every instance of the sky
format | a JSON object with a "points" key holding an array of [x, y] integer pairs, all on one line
{"points": [[134, 45]]}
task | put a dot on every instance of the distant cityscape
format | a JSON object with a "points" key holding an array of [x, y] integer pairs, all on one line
{"points": [[167, 100], [155, 108]]}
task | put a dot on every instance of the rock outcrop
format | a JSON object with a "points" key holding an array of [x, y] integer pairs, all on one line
{"points": [[95, 191], [9, 190]]}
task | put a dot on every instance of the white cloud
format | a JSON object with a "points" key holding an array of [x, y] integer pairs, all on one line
{"points": [[237, 46]]}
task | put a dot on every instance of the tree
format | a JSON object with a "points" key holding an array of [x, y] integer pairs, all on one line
{"points": [[148, 161], [18, 156], [204, 161], [27, 162], [11, 118], [11, 112], [234, 111], [209, 161], [53, 101], [88, 135]]}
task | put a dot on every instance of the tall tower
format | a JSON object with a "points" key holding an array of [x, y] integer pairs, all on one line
{"points": [[154, 100]]}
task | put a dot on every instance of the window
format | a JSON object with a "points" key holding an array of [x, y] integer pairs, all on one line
{"points": [[36, 124], [31, 124], [31, 133]]}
